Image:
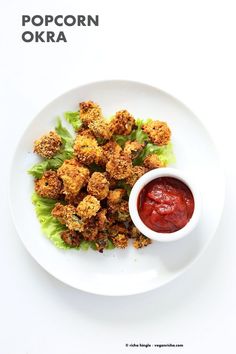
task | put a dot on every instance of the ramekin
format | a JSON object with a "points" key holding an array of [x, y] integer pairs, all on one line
{"points": [[133, 204]]}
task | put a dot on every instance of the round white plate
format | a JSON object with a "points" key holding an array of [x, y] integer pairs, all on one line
{"points": [[129, 271]]}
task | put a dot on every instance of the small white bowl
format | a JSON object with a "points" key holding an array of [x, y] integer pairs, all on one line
{"points": [[133, 204]]}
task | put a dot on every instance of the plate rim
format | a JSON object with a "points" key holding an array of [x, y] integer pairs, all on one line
{"points": [[152, 286]]}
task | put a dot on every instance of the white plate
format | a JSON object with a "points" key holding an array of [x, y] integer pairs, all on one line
{"points": [[130, 271]]}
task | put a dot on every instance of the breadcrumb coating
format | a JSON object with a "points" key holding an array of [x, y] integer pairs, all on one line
{"points": [[48, 145], [75, 199], [67, 215], [119, 166], [120, 241], [133, 148], [88, 207], [118, 228], [133, 231], [90, 229], [115, 196], [102, 220], [74, 177], [111, 180], [152, 161], [136, 173], [101, 128], [86, 149], [120, 211], [49, 186], [122, 123], [71, 238], [109, 149], [158, 132], [142, 241], [89, 111], [98, 185], [101, 242]]}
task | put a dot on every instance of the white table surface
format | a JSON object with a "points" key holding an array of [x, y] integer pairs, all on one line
{"points": [[184, 47]]}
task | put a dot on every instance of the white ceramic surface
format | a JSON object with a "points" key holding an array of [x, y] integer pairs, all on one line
{"points": [[133, 204], [129, 271]]}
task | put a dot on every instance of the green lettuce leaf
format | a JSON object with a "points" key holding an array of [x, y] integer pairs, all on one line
{"points": [[66, 152], [165, 153], [138, 134], [121, 139], [50, 226], [74, 119]]}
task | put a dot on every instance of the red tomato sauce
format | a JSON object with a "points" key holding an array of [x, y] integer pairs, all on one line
{"points": [[165, 204]]}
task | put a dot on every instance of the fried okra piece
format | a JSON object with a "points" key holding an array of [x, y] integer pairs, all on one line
{"points": [[111, 180], [152, 161], [119, 166], [71, 238], [101, 242], [89, 111], [88, 207], [115, 196], [120, 241], [48, 145], [96, 225], [86, 149], [101, 128], [122, 212], [133, 148], [136, 173], [49, 186], [75, 199], [103, 222], [118, 228], [86, 132], [98, 185], [74, 177], [158, 132], [141, 241], [119, 235], [111, 148], [90, 229], [67, 215], [122, 123]]}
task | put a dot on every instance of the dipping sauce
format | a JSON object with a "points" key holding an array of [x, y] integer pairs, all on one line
{"points": [[165, 204]]}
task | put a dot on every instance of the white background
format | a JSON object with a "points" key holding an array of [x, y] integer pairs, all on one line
{"points": [[184, 47]]}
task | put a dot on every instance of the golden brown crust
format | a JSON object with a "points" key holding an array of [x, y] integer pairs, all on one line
{"points": [[115, 196], [136, 173], [98, 185], [48, 145], [133, 148], [49, 185], [110, 149], [74, 177], [122, 123], [101, 128], [119, 166], [67, 215], [152, 161], [86, 149], [89, 111], [71, 238], [88, 207], [142, 241], [120, 240], [158, 132]]}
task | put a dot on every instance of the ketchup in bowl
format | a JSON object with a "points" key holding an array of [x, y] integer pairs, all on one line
{"points": [[165, 204]]}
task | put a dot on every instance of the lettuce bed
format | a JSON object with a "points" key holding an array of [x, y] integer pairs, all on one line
{"points": [[51, 227]]}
